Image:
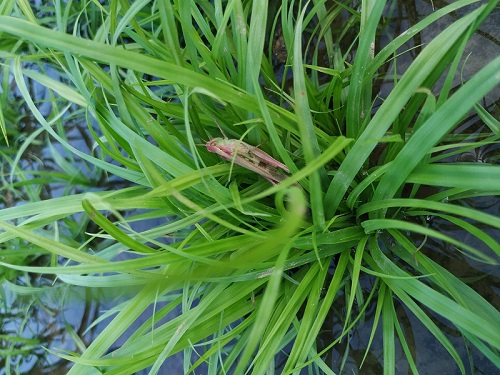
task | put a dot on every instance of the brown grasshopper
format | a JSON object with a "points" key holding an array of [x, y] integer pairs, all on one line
{"points": [[249, 157]]}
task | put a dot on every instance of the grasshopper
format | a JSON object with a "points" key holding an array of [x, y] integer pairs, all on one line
{"points": [[249, 157]]}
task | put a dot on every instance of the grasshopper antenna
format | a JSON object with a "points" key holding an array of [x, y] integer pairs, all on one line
{"points": [[222, 131]]}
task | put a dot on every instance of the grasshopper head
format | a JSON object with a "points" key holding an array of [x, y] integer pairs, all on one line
{"points": [[213, 145], [219, 146]]}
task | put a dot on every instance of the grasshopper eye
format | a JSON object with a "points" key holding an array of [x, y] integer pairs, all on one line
{"points": [[212, 145]]}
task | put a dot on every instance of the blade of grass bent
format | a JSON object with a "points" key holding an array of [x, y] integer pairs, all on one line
{"points": [[132, 60], [441, 304], [421, 68], [115, 328], [118, 171], [52, 246], [383, 224], [440, 123], [432, 206], [453, 286], [432, 327]]}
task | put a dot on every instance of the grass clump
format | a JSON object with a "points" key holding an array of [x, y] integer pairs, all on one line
{"points": [[255, 269]]}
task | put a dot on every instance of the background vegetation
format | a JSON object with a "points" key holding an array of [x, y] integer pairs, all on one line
{"points": [[234, 273]]}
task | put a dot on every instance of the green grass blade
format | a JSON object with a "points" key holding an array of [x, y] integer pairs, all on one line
{"points": [[308, 138], [458, 175], [423, 66], [462, 317], [389, 319], [440, 123]]}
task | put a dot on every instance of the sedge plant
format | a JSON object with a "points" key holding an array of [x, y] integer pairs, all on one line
{"points": [[256, 270]]}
